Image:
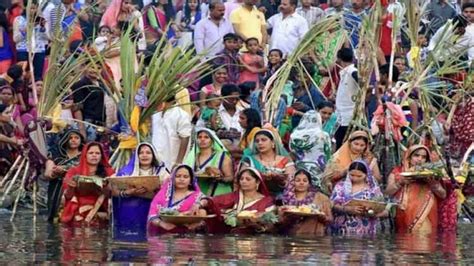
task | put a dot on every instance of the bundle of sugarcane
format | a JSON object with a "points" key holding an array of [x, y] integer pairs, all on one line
{"points": [[65, 68], [367, 64], [169, 71], [427, 77], [62, 72], [307, 47]]}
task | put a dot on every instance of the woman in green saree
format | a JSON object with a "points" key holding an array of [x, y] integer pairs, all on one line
{"points": [[211, 163], [270, 158]]}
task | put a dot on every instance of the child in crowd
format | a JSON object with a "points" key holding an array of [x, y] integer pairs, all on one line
{"points": [[229, 58], [240, 42], [209, 114], [102, 39], [252, 63], [246, 90], [275, 60]]}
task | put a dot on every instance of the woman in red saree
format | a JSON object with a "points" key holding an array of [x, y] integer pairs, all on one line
{"points": [[417, 211], [89, 209], [251, 195]]}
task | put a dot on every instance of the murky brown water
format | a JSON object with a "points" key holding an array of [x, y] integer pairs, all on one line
{"points": [[27, 241]]}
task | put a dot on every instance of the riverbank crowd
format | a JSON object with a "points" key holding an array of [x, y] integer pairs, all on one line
{"points": [[370, 129]]}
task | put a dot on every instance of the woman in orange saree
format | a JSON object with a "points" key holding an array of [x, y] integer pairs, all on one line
{"points": [[357, 147], [417, 210]]}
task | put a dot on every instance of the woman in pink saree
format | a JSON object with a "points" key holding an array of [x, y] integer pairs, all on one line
{"points": [[122, 14], [178, 193]]}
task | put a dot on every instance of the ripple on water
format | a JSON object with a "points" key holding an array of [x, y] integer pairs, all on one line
{"points": [[23, 241]]}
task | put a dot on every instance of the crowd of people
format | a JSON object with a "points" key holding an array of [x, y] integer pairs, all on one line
{"points": [[221, 154]]}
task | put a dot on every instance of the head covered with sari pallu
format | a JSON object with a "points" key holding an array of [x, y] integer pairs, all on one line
{"points": [[416, 200], [289, 195], [64, 141], [342, 192], [58, 153], [133, 166], [110, 17], [262, 188], [308, 140], [343, 156], [277, 183], [217, 147], [235, 199], [164, 197], [409, 152], [273, 136], [104, 169], [233, 202]]}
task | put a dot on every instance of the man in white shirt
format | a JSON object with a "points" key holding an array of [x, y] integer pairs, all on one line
{"points": [[171, 129], [229, 113], [468, 13], [347, 89], [209, 32], [461, 39], [288, 27]]}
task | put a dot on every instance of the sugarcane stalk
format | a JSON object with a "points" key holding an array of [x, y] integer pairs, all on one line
{"points": [[386, 141], [4, 180], [467, 211], [29, 34], [15, 177], [35, 206], [22, 189]]}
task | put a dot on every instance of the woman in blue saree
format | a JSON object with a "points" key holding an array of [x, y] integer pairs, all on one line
{"points": [[130, 210]]}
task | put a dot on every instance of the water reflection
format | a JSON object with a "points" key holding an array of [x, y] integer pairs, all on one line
{"points": [[24, 241]]}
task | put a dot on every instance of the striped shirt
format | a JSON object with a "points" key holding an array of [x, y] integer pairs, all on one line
{"points": [[312, 15]]}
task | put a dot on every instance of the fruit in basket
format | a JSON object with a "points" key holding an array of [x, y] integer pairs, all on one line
{"points": [[212, 171], [304, 209], [169, 211], [247, 214]]}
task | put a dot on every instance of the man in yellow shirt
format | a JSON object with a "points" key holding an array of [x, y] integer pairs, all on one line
{"points": [[249, 22]]}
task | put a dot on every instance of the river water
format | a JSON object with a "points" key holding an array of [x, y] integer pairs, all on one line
{"points": [[29, 240]]}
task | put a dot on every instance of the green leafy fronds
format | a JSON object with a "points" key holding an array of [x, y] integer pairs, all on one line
{"points": [[307, 47]]}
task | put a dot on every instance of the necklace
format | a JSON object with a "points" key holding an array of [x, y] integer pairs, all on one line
{"points": [[267, 163], [354, 157], [146, 172], [178, 197], [250, 199]]}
